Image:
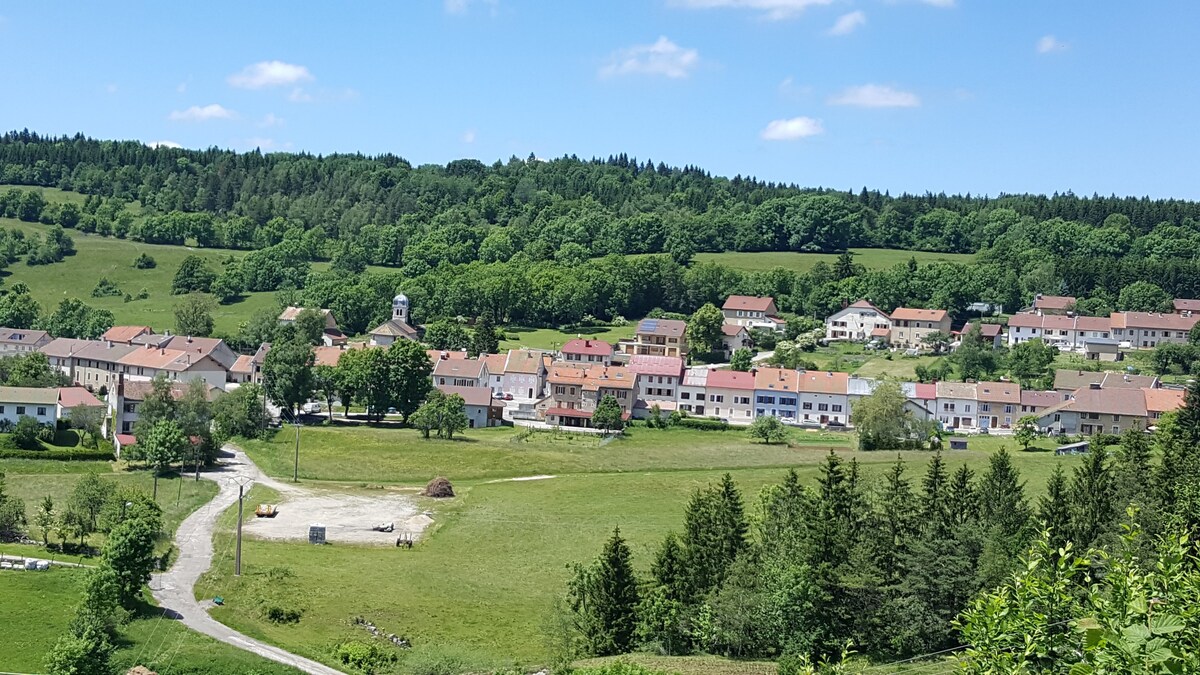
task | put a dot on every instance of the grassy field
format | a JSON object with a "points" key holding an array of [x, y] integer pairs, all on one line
{"points": [[478, 589], [849, 357], [552, 338], [871, 258], [38, 606], [402, 456], [32, 480]]}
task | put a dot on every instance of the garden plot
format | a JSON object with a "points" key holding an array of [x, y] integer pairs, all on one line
{"points": [[348, 519]]}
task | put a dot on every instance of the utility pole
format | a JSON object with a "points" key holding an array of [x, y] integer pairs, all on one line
{"points": [[296, 465], [197, 463], [237, 561]]}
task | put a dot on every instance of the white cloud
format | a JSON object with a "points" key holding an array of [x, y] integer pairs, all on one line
{"points": [[876, 96], [468, 136], [212, 111], [298, 95], [271, 120], [661, 58], [774, 10], [164, 144], [1049, 44], [269, 74], [791, 129], [848, 23]]}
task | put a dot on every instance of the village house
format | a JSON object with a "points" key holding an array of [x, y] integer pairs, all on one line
{"points": [[957, 404], [1050, 304], [1159, 401], [1066, 332], [859, 322], [456, 372], [575, 391], [60, 353], [197, 347], [1034, 402], [658, 337], [243, 370], [482, 409], [495, 367], [1068, 381], [397, 328], [331, 335], [1146, 330], [587, 351], [39, 403], [911, 326], [125, 401], [733, 338], [1094, 409], [753, 313], [125, 334], [991, 334], [999, 404], [824, 397], [1186, 305], [1102, 349], [730, 395], [71, 398], [145, 363], [776, 392], [17, 341], [98, 363], [658, 379], [922, 398], [693, 391], [524, 373]]}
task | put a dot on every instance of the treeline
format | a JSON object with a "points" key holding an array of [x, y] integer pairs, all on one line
{"points": [[884, 564]]}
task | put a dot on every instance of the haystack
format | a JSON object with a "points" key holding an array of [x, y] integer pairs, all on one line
{"points": [[439, 487]]}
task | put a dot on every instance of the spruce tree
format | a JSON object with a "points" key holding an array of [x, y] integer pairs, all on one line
{"points": [[1054, 511], [1002, 502], [897, 517], [1133, 472], [935, 502], [669, 568], [617, 593], [484, 341], [962, 498], [734, 527], [1091, 501]]}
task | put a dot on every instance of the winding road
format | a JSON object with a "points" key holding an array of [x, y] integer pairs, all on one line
{"points": [[175, 589]]}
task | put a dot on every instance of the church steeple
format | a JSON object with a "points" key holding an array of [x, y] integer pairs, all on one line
{"points": [[400, 308]]}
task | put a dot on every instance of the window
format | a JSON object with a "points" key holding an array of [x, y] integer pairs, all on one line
{"points": [[1, 410], [1116, 418], [572, 391], [42, 411], [1007, 409], [837, 407], [985, 407], [560, 390], [1057, 417], [967, 408], [1116, 429], [685, 395], [766, 399], [807, 405], [744, 400], [129, 407], [717, 398], [823, 407], [1007, 421], [788, 401], [20, 410]]}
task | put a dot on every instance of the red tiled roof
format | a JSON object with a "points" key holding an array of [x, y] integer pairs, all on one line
{"points": [[525, 361], [880, 332], [1154, 320], [1163, 400], [913, 314], [824, 382], [732, 329], [126, 440], [1187, 305], [926, 392], [244, 364], [458, 368], [999, 392], [1040, 399], [471, 395], [124, 333], [1053, 302], [748, 302], [643, 364], [866, 304], [69, 397], [663, 327], [730, 379], [587, 346]]}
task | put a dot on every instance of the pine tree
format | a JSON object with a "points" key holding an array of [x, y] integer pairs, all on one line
{"points": [[1054, 508], [616, 598], [935, 516], [669, 569], [485, 341], [897, 517], [1002, 499], [1091, 502], [963, 497], [734, 518]]}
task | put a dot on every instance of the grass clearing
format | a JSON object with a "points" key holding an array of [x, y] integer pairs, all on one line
{"points": [[381, 455], [487, 574], [552, 338], [871, 258], [38, 606]]}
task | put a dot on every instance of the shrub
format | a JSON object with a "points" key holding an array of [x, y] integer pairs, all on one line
{"points": [[27, 433], [439, 488], [703, 423], [104, 453], [105, 289], [276, 614], [144, 262], [366, 656]]}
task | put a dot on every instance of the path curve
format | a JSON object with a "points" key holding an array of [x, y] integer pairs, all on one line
{"points": [[175, 589]]}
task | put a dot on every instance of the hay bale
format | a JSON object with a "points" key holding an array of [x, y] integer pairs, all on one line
{"points": [[439, 488], [140, 670]]}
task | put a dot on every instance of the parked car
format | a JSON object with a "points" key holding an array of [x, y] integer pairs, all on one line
{"points": [[508, 397]]}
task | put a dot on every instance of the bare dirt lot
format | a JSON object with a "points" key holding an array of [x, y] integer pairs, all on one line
{"points": [[348, 519]]}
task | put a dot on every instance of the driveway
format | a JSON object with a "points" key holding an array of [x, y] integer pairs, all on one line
{"points": [[175, 589]]}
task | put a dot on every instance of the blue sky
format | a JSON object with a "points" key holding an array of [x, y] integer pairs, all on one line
{"points": [[901, 95]]}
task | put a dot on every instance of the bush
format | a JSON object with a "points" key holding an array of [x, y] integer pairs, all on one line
{"points": [[105, 289], [276, 614], [703, 423], [27, 432], [439, 488], [144, 262], [366, 656], [63, 455]]}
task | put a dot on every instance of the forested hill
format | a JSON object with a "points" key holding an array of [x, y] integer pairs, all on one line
{"points": [[615, 205]]}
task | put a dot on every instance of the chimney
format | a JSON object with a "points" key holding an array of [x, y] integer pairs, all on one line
{"points": [[587, 343], [189, 338]]}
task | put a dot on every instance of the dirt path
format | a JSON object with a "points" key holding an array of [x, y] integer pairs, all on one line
{"points": [[175, 589]]}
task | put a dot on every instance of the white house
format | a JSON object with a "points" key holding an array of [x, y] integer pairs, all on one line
{"points": [[957, 404], [658, 379], [693, 391], [1066, 332], [18, 402], [454, 372], [753, 312], [482, 409], [858, 322], [525, 373]]}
